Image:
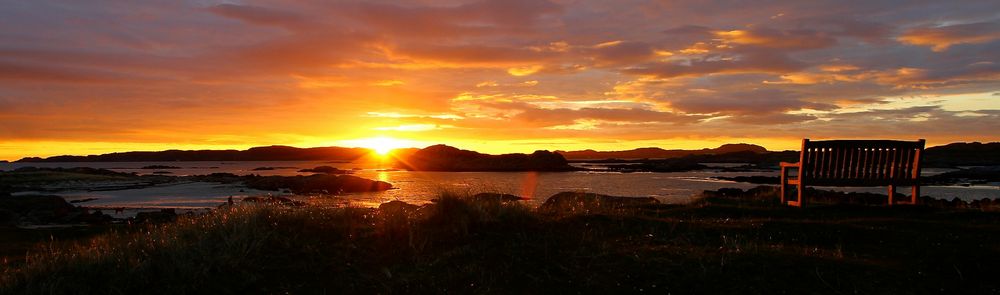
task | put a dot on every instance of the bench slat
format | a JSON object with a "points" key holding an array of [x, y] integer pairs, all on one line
{"points": [[874, 161], [861, 182], [865, 144]]}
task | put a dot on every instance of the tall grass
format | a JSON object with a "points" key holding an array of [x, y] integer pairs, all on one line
{"points": [[252, 248], [221, 251], [460, 244]]}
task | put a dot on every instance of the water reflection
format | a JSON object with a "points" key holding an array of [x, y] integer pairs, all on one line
{"points": [[383, 176], [529, 184], [421, 187]]}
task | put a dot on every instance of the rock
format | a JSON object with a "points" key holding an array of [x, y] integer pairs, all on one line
{"points": [[325, 169], [217, 177], [268, 168], [496, 198], [316, 184], [667, 165], [730, 192], [159, 167], [162, 216], [446, 158], [96, 217], [396, 207], [572, 202], [393, 223], [83, 200], [36, 209]]}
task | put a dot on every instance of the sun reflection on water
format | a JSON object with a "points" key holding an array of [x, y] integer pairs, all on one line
{"points": [[383, 176]]}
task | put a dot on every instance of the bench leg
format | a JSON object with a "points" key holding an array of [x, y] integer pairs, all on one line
{"points": [[799, 191], [784, 184], [915, 194], [892, 194]]}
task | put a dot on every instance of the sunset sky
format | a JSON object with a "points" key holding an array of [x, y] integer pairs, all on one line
{"points": [[85, 77]]}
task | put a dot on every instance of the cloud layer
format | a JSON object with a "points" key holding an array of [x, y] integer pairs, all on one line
{"points": [[499, 75]]}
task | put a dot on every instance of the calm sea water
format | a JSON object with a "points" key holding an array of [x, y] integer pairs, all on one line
{"points": [[421, 187]]}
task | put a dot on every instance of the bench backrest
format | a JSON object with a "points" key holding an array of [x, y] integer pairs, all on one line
{"points": [[861, 162]]}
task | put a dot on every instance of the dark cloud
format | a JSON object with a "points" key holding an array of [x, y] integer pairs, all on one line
{"points": [[258, 15], [46, 73], [473, 54], [751, 62], [770, 119], [475, 18], [622, 53], [690, 30], [303, 52], [556, 117], [758, 101]]}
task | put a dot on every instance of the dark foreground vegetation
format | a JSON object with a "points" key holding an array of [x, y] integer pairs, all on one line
{"points": [[730, 241]]}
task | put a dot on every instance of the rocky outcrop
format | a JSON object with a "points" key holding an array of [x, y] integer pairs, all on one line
{"points": [[580, 202], [313, 184], [446, 158], [974, 175], [162, 216], [44, 210], [496, 198], [326, 170], [159, 167], [397, 207]]}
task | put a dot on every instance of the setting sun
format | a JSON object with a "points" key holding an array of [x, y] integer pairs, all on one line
{"points": [[380, 145]]}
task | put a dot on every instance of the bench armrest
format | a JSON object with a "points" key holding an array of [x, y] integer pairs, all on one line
{"points": [[786, 164]]}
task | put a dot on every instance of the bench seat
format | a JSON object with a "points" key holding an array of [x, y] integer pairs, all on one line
{"points": [[854, 163]]}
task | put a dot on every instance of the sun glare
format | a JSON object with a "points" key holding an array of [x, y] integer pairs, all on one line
{"points": [[380, 145]]}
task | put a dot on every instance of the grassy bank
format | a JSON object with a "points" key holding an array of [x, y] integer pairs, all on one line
{"points": [[742, 243]]}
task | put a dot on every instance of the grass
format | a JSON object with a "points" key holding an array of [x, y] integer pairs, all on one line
{"points": [[720, 244]]}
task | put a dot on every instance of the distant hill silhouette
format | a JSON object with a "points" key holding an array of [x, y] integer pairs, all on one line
{"points": [[658, 153], [445, 158], [963, 154], [268, 153]]}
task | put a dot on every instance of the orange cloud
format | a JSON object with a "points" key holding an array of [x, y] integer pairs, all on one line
{"points": [[944, 37], [755, 62], [770, 38]]}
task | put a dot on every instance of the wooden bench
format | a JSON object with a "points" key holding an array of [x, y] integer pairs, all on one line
{"points": [[855, 163]]}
